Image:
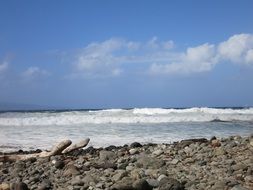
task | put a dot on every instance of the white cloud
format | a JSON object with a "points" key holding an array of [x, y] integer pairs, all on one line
{"points": [[33, 72], [195, 60], [106, 58], [116, 56], [237, 48], [249, 56], [3, 67]]}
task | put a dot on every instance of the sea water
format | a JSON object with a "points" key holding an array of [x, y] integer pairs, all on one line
{"points": [[41, 129]]}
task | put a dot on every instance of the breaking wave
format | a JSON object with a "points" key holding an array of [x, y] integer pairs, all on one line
{"points": [[125, 116]]}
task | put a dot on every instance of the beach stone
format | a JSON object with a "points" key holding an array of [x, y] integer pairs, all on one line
{"points": [[153, 182], [20, 186], [119, 175], [59, 164], [135, 145], [215, 143], [251, 142], [239, 187], [161, 177], [239, 166], [157, 152], [45, 185], [219, 185], [142, 185], [77, 181], [170, 184], [105, 155], [4, 186], [125, 184], [149, 162], [174, 161], [71, 170], [133, 151], [219, 151]]}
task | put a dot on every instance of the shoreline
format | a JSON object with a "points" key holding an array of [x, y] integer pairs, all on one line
{"points": [[224, 163]]}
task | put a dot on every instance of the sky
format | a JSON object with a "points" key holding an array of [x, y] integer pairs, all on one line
{"points": [[122, 54]]}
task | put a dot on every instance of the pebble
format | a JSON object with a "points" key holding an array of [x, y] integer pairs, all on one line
{"points": [[190, 164], [157, 152], [133, 151]]}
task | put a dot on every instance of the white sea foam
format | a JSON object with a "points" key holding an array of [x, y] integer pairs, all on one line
{"points": [[121, 116], [29, 130]]}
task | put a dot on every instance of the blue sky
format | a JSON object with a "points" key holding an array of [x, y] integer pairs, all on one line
{"points": [[111, 54]]}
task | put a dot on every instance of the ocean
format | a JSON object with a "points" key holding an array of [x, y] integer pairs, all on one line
{"points": [[29, 130]]}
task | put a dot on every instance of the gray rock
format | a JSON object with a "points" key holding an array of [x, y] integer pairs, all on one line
{"points": [[77, 181], [142, 185], [105, 155], [119, 175], [59, 164], [149, 162], [239, 187], [135, 145], [124, 184], [45, 185], [174, 161], [153, 182], [71, 170], [157, 152], [20, 186], [170, 184], [239, 166], [133, 151]]}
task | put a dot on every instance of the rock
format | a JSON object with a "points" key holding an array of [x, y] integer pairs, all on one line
{"points": [[4, 186], [157, 152], [142, 185], [251, 142], [135, 145], [153, 182], [239, 187], [106, 165], [105, 155], [110, 148], [239, 166], [170, 184], [133, 151], [174, 161], [124, 184], [149, 162], [215, 143], [71, 170], [161, 177], [20, 186], [119, 175], [59, 164], [77, 181], [219, 151], [45, 185], [219, 185]]}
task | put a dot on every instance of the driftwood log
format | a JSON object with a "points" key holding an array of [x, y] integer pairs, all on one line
{"points": [[61, 148]]}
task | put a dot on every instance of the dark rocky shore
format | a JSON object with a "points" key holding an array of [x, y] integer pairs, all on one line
{"points": [[216, 164]]}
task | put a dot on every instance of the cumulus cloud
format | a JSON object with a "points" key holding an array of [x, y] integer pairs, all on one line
{"points": [[106, 58], [194, 60], [110, 57], [3, 67], [237, 49], [34, 72]]}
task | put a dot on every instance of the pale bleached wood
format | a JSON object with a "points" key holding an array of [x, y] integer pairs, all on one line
{"points": [[76, 146], [62, 147]]}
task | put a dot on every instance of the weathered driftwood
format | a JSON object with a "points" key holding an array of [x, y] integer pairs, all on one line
{"points": [[61, 148]]}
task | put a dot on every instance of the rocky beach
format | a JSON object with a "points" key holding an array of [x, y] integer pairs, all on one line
{"points": [[216, 164]]}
